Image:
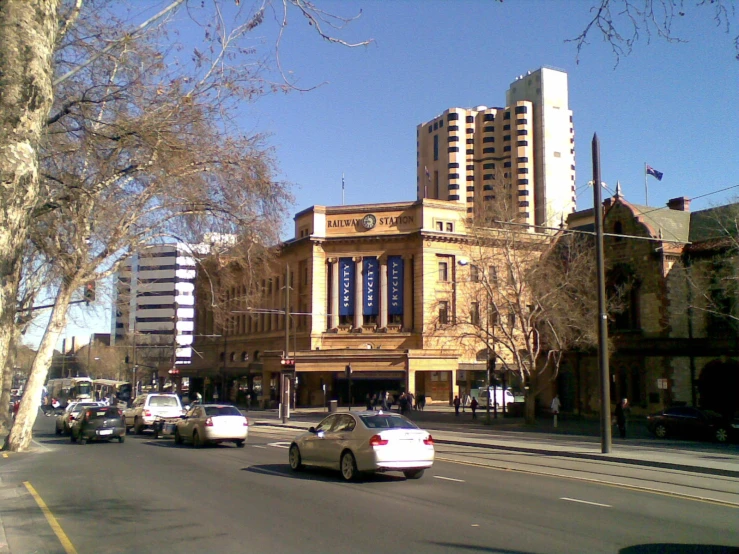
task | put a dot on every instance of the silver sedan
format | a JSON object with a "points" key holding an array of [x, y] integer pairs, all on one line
{"points": [[358, 442], [212, 423]]}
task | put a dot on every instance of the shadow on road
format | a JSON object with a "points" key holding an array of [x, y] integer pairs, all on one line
{"points": [[320, 474]]}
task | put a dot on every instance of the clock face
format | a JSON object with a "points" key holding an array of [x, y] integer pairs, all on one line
{"points": [[369, 221]]}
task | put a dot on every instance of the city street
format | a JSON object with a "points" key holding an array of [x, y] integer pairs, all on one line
{"points": [[149, 495]]}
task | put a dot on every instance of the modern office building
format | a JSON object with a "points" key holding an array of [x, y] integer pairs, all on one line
{"points": [[154, 305], [520, 157]]}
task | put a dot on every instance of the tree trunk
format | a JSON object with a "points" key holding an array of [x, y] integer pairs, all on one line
{"points": [[22, 431], [27, 35], [6, 421]]}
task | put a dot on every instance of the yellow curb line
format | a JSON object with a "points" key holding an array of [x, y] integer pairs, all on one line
{"points": [[61, 535], [682, 496]]}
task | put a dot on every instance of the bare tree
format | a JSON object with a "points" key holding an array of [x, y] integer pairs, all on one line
{"points": [[623, 23], [141, 149], [528, 299]]}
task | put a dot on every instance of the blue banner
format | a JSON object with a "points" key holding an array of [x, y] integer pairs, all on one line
{"points": [[346, 286], [371, 282], [395, 285]]}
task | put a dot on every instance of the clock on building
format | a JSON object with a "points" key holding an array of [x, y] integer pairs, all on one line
{"points": [[369, 221]]}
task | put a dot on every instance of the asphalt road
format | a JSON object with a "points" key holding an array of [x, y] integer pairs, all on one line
{"points": [[148, 495]]}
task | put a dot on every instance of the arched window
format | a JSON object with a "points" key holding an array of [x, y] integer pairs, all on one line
{"points": [[244, 356]]}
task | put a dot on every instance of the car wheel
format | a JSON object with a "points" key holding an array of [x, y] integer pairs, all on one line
{"points": [[660, 431], [177, 437], [413, 473], [138, 428], [239, 444], [721, 434], [196, 442], [348, 466], [121, 438], [296, 462]]}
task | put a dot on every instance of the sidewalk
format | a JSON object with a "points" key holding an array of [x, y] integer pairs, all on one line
{"points": [[573, 438]]}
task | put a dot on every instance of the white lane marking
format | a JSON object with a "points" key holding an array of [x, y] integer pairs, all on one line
{"points": [[279, 444], [475, 525], [257, 446], [449, 479], [586, 502]]}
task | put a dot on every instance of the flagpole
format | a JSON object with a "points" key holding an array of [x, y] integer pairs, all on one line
{"points": [[646, 186], [342, 189]]}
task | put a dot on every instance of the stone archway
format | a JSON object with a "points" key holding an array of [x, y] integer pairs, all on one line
{"points": [[718, 386]]}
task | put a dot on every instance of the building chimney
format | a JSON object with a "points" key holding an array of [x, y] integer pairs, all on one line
{"points": [[680, 204]]}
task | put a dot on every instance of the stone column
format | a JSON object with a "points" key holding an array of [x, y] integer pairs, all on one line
{"points": [[334, 294], [358, 305], [382, 324]]}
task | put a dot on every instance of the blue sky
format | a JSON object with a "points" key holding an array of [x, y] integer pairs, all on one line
{"points": [[671, 105]]}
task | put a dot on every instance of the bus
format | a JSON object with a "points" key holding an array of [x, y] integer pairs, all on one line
{"points": [[108, 388], [69, 389]]}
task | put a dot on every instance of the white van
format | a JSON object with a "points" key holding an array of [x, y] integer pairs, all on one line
{"points": [[500, 399]]}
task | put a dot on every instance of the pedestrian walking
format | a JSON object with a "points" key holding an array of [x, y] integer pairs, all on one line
{"points": [[473, 407], [456, 405], [421, 401], [383, 401], [622, 412], [368, 402], [555, 408]]}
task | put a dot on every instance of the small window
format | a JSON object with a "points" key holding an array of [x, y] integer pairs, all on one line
{"points": [[474, 273], [521, 109], [444, 312], [452, 117], [439, 225], [511, 320], [470, 119], [443, 271], [475, 313], [449, 226], [492, 274], [488, 166], [489, 117]]}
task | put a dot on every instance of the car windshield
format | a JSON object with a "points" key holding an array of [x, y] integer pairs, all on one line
{"points": [[163, 401], [221, 410], [387, 421]]}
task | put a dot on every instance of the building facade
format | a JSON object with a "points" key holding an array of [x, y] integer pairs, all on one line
{"points": [[375, 293], [675, 336], [520, 157], [154, 308]]}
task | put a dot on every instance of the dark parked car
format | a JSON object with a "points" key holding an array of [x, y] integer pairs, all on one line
{"points": [[98, 423], [685, 421]]}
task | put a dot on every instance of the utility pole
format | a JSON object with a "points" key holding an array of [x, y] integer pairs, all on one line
{"points": [[605, 390], [285, 380]]}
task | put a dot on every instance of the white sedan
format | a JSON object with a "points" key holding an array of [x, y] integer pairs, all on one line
{"points": [[358, 442], [212, 423]]}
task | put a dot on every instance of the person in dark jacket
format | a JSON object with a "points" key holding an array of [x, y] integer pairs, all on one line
{"points": [[622, 412], [473, 407], [456, 405]]}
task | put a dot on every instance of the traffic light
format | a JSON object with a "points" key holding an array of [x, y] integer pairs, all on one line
{"points": [[90, 291], [288, 363]]}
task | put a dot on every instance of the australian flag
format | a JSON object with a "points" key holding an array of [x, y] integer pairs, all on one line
{"points": [[654, 173]]}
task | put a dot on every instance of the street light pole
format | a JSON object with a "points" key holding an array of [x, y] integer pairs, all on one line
{"points": [[285, 381]]}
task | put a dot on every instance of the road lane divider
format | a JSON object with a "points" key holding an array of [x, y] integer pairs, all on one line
{"points": [[279, 444], [586, 502], [449, 479], [58, 531]]}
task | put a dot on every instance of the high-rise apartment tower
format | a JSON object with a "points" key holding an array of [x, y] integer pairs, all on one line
{"points": [[522, 156]]}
